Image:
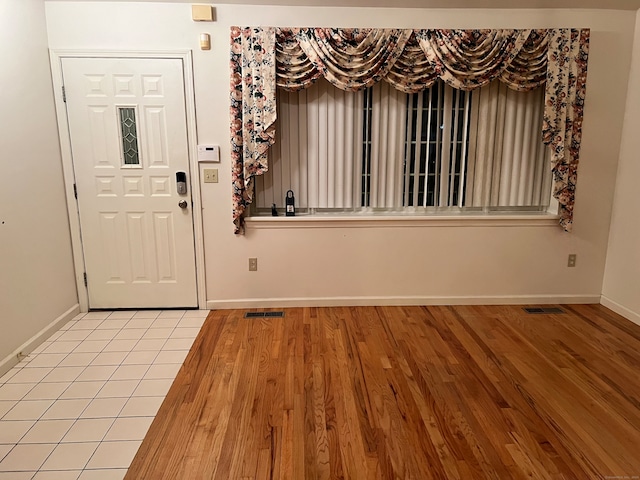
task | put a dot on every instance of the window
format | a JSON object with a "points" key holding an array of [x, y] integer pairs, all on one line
{"points": [[382, 150], [129, 136]]}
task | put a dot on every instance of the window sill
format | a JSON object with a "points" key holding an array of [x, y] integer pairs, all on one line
{"points": [[380, 221]]}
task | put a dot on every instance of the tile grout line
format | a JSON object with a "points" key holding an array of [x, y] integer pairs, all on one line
{"points": [[131, 350], [44, 413], [70, 384], [139, 382]]}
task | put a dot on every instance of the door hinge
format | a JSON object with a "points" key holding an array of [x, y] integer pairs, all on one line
{"points": [[64, 95], [75, 191], [85, 280]]}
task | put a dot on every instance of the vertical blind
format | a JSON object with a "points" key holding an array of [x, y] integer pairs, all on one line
{"points": [[509, 166], [383, 149], [384, 136], [318, 149]]}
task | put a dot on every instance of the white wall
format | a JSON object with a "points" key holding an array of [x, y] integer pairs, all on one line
{"points": [[621, 289], [385, 264], [37, 283]]}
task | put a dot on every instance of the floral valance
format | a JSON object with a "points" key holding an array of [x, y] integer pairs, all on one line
{"points": [[410, 60]]}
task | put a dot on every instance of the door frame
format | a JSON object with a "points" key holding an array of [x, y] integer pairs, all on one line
{"points": [[185, 56]]}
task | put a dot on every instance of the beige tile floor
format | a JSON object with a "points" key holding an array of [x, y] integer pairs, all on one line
{"points": [[79, 406]]}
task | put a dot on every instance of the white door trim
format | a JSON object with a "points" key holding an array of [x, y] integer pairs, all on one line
{"points": [[56, 57]]}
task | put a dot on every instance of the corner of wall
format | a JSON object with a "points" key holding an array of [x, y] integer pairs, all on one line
{"points": [[37, 266], [30, 345], [620, 290]]}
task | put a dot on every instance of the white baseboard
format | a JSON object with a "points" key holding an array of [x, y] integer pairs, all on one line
{"points": [[30, 345], [399, 301], [620, 310]]}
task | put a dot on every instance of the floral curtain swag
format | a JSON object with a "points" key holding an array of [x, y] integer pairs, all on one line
{"points": [[264, 58]]}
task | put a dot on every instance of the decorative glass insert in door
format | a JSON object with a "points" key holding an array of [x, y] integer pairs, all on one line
{"points": [[129, 135]]}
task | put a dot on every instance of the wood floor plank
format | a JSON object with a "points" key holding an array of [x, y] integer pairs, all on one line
{"points": [[388, 393]]}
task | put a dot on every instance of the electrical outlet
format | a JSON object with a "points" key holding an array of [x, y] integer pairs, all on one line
{"points": [[253, 264], [572, 260], [210, 175]]}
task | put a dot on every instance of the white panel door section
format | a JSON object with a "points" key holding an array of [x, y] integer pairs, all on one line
{"points": [[127, 124]]}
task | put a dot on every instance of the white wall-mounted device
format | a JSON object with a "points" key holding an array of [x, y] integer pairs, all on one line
{"points": [[209, 153], [205, 41], [202, 13]]}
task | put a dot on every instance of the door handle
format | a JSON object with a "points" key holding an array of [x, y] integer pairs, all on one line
{"points": [[182, 204]]}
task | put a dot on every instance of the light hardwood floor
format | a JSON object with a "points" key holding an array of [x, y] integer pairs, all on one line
{"points": [[403, 393]]}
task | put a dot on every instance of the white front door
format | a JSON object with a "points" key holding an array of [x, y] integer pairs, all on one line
{"points": [[127, 123]]}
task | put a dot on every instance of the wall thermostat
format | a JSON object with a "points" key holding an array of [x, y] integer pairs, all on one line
{"points": [[209, 153]]}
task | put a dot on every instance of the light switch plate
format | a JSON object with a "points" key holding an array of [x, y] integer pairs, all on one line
{"points": [[210, 175]]}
